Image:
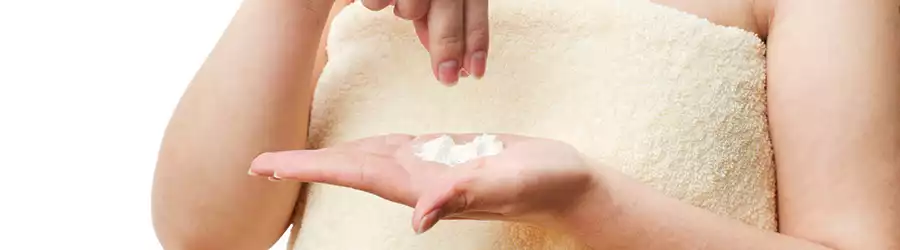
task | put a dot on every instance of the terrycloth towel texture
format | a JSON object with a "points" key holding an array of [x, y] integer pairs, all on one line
{"points": [[669, 98]]}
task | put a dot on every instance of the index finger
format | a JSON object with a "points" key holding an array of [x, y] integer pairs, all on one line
{"points": [[356, 169]]}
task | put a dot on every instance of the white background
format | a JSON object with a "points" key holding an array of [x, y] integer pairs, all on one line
{"points": [[86, 89]]}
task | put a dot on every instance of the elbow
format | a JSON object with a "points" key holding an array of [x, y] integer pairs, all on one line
{"points": [[173, 236], [189, 244], [198, 240], [199, 244], [176, 231]]}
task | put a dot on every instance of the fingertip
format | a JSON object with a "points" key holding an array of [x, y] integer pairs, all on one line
{"points": [[426, 212], [444, 199], [448, 72], [434, 206], [263, 165], [376, 5], [410, 10], [427, 222], [478, 64]]}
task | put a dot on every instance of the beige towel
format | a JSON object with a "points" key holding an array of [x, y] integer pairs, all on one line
{"points": [[666, 97]]}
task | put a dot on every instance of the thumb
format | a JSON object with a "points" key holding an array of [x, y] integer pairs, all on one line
{"points": [[448, 196], [444, 200]]}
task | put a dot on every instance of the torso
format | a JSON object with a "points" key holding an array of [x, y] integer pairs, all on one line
{"points": [[668, 98]]}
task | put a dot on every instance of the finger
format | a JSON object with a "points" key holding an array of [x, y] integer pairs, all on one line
{"points": [[446, 39], [461, 193], [447, 198], [421, 26], [411, 9], [477, 29], [376, 5], [362, 171]]}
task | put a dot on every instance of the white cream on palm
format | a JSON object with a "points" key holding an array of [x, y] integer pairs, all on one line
{"points": [[445, 151]]}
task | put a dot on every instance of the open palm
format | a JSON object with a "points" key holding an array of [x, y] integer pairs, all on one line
{"points": [[530, 178]]}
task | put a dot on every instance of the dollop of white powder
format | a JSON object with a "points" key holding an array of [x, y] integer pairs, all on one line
{"points": [[444, 150]]}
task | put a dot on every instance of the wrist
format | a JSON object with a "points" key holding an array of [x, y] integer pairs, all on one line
{"points": [[592, 211]]}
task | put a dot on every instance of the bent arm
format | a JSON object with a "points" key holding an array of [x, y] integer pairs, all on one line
{"points": [[834, 96], [251, 95]]}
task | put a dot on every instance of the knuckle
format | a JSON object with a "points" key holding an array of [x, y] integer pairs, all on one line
{"points": [[450, 42], [417, 14], [418, 10], [463, 197], [477, 35]]}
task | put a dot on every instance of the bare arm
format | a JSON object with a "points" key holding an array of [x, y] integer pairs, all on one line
{"points": [[834, 98], [252, 95]]}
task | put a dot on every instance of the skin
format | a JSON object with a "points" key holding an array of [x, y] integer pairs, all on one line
{"points": [[549, 174], [202, 197], [833, 97], [832, 101], [455, 32]]}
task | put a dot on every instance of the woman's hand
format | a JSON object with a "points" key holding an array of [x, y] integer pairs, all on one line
{"points": [[455, 32], [531, 180]]}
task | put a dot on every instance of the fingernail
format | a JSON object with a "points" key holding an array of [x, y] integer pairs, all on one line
{"points": [[478, 63], [427, 222], [448, 72], [251, 173], [274, 179], [463, 72]]}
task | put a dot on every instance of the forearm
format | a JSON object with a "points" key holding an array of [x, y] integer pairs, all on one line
{"points": [[251, 95], [626, 214]]}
